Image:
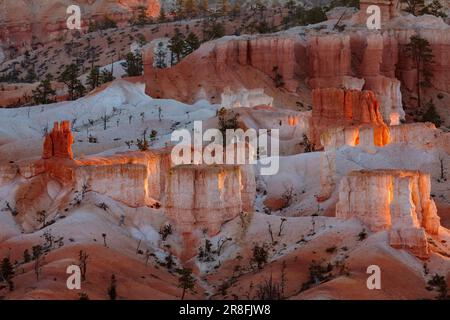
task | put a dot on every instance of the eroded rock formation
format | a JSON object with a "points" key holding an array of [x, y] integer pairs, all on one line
{"points": [[236, 62], [203, 197], [334, 107], [394, 200], [58, 143]]}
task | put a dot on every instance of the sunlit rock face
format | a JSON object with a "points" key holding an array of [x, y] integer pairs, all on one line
{"points": [[203, 197], [394, 200], [439, 40], [58, 143], [334, 108], [359, 61]]}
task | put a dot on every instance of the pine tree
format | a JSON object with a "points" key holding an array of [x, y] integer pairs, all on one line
{"points": [[26, 256], [142, 18], [177, 46], [133, 65], [31, 76], [435, 8], [431, 114], [70, 78], [112, 291], [192, 43], [106, 76], [419, 50], [186, 281], [93, 79], [213, 30], [414, 7], [44, 93], [162, 15], [161, 55], [7, 273]]}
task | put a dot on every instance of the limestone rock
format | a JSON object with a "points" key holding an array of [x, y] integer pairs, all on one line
{"points": [[334, 107], [59, 142], [203, 197], [394, 200]]}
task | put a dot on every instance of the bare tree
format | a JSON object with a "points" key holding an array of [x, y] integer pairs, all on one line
{"points": [[82, 263]]}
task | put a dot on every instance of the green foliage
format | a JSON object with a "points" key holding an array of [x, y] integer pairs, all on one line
{"points": [[260, 255], [142, 144], [439, 284], [106, 76], [419, 50], [142, 19], [192, 43], [362, 235], [112, 290], [434, 8], [227, 120], [212, 30], [7, 273], [278, 78], [186, 281], [160, 55], [414, 6], [44, 93], [431, 114], [133, 64], [106, 23], [299, 16], [177, 46], [318, 273], [26, 256], [181, 46], [93, 79], [269, 290], [70, 78], [162, 15], [205, 254]]}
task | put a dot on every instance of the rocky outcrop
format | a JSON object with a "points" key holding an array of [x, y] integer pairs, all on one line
{"points": [[58, 143], [203, 197], [394, 200], [251, 62], [358, 61], [334, 107]]}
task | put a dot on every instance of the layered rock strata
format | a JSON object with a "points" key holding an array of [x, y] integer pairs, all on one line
{"points": [[394, 200]]}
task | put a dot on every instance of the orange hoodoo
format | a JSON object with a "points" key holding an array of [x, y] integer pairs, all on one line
{"points": [[58, 143], [334, 107]]}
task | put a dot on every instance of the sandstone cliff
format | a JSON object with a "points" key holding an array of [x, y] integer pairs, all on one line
{"points": [[394, 200], [334, 107]]}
